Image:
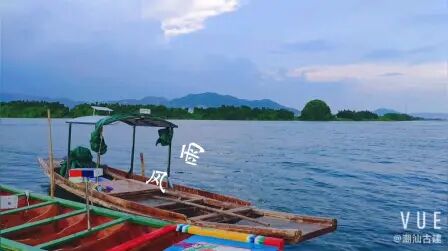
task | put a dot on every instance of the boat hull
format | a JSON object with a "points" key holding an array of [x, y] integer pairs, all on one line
{"points": [[182, 204]]}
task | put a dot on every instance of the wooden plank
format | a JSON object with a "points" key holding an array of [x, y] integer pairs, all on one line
{"points": [[233, 210], [216, 210], [296, 218], [42, 222], [20, 209], [174, 203], [126, 186], [194, 200], [81, 234]]}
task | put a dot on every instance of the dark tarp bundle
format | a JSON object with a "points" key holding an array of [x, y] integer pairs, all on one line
{"points": [[98, 145], [80, 157], [165, 136], [97, 140]]}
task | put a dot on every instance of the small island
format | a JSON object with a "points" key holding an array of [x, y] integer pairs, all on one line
{"points": [[318, 110], [314, 110]]}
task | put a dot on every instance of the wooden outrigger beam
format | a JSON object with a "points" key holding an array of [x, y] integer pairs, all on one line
{"points": [[65, 239], [42, 222], [17, 245]]}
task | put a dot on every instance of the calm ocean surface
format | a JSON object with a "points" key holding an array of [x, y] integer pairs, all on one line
{"points": [[362, 173]]}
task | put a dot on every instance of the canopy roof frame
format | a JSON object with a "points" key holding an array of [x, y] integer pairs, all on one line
{"points": [[138, 120], [133, 120]]}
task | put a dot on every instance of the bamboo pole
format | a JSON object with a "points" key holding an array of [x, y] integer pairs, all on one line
{"points": [[132, 151], [142, 164], [50, 152], [86, 181]]}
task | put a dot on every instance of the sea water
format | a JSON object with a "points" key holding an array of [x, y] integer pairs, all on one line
{"points": [[364, 174]]}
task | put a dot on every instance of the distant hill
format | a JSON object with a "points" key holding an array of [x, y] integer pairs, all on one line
{"points": [[431, 115], [382, 111], [6, 97], [210, 99], [423, 115], [146, 100], [207, 99]]}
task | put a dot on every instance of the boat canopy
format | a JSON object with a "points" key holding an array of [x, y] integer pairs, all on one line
{"points": [[136, 119], [130, 119], [98, 145]]}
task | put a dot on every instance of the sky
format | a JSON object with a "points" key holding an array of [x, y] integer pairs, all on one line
{"points": [[352, 54]]}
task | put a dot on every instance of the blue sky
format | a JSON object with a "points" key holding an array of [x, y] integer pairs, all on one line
{"points": [[352, 54]]}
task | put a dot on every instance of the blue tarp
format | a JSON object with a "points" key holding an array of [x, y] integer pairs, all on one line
{"points": [[199, 243]]}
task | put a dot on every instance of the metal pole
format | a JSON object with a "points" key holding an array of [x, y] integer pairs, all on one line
{"points": [[132, 151], [68, 148]]}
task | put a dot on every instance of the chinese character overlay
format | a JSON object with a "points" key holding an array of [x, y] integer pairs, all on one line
{"points": [[157, 177], [191, 153]]}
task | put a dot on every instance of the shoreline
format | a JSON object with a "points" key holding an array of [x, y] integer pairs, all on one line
{"points": [[273, 120]]}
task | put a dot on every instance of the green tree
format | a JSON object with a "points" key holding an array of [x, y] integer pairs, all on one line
{"points": [[32, 109], [358, 116], [316, 110]]}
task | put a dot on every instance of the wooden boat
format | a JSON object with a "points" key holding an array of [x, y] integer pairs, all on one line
{"points": [[45, 223], [57, 224], [182, 204]]}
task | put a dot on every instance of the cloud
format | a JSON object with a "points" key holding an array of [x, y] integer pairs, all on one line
{"points": [[400, 53], [391, 74], [387, 76], [316, 45], [431, 19], [179, 17]]}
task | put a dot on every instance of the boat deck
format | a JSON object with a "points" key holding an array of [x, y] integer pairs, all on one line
{"points": [[128, 187]]}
